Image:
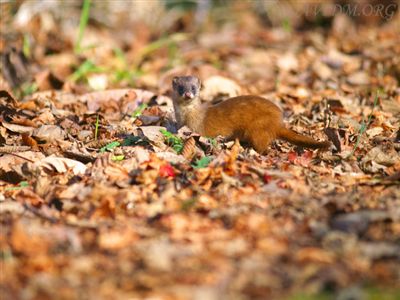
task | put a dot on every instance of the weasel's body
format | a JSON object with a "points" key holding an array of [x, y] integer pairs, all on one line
{"points": [[252, 119]]}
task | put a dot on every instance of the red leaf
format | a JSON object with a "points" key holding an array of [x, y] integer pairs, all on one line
{"points": [[267, 178], [292, 156], [167, 171]]}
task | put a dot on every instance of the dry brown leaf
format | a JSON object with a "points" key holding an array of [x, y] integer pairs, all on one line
{"points": [[217, 86], [60, 165], [26, 195], [18, 128], [311, 254], [113, 240], [23, 121], [30, 141], [9, 161], [49, 133], [26, 243], [9, 97], [189, 149]]}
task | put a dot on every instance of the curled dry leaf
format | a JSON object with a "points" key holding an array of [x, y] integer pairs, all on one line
{"points": [[95, 99], [116, 172], [10, 161], [9, 97], [26, 195], [378, 158], [30, 141], [128, 99], [154, 135], [171, 157], [49, 133], [233, 154], [19, 120], [334, 137], [60, 165], [18, 128], [189, 149], [218, 86]]}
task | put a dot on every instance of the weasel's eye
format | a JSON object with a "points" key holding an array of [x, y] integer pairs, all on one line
{"points": [[180, 90], [193, 89]]}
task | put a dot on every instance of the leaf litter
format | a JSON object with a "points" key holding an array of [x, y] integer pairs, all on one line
{"points": [[102, 196]]}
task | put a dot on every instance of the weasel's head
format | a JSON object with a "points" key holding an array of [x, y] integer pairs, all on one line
{"points": [[186, 89]]}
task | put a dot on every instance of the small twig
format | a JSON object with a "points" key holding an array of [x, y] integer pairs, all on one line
{"points": [[40, 214], [17, 155], [11, 149]]}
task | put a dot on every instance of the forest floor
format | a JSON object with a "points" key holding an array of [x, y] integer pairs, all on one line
{"points": [[100, 197]]}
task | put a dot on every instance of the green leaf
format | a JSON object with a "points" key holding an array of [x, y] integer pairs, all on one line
{"points": [[21, 185], [202, 162], [138, 111], [24, 184], [84, 69], [26, 47], [133, 140], [110, 146], [118, 157], [213, 142], [175, 142], [29, 88], [287, 26]]}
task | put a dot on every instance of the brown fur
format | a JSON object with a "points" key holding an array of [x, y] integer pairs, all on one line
{"points": [[252, 119]]}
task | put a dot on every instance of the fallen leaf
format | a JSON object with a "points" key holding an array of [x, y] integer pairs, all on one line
{"points": [[49, 133], [189, 149], [167, 170], [18, 128], [113, 240], [30, 141], [60, 165], [217, 86], [26, 243]]}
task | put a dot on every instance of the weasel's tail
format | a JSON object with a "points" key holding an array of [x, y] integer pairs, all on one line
{"points": [[301, 140]]}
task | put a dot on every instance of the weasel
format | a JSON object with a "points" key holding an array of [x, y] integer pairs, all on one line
{"points": [[251, 119]]}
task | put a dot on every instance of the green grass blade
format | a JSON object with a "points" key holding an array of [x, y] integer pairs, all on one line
{"points": [[82, 24], [96, 130]]}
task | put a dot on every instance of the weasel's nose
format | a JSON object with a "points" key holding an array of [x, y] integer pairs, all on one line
{"points": [[188, 95]]}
